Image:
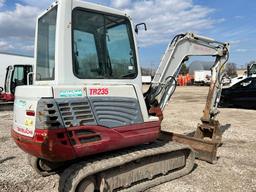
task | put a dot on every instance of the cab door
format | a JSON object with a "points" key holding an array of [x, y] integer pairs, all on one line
{"points": [[8, 77], [19, 76]]}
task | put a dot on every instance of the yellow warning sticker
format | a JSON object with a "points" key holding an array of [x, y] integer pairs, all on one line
{"points": [[28, 122]]}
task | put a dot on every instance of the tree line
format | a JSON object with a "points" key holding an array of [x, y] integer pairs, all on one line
{"points": [[231, 69]]}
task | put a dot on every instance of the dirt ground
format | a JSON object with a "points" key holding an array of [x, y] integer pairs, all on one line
{"points": [[235, 170]]}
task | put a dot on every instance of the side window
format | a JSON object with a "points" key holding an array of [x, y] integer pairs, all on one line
{"points": [[45, 61], [18, 74], [85, 54], [120, 52]]}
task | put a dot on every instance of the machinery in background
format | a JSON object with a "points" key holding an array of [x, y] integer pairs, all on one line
{"points": [[16, 75], [240, 92], [86, 103], [12, 59]]}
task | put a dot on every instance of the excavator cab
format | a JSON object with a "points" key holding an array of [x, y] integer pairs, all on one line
{"points": [[87, 85], [16, 75]]}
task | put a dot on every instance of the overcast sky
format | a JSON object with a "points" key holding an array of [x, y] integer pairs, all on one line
{"points": [[231, 21]]}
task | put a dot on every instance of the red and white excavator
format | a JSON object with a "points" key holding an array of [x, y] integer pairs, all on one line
{"points": [[86, 103]]}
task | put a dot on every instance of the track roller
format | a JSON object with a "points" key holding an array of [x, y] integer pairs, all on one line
{"points": [[42, 166], [87, 185]]}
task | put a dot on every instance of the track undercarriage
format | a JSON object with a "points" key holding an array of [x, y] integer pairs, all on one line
{"points": [[135, 169]]}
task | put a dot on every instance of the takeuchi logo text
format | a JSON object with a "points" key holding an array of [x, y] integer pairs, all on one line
{"points": [[25, 131]]}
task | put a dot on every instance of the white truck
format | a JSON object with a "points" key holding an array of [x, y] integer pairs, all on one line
{"points": [[146, 79], [202, 77]]}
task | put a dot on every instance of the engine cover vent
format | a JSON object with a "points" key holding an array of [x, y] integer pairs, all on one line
{"points": [[48, 116], [116, 111], [76, 112]]}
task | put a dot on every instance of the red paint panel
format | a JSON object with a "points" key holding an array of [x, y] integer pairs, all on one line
{"points": [[46, 144], [7, 97], [65, 144]]}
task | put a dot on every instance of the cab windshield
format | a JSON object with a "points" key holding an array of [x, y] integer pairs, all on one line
{"points": [[103, 46]]}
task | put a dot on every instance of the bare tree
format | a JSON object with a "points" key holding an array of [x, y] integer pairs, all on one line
{"points": [[250, 63], [148, 71], [231, 70]]}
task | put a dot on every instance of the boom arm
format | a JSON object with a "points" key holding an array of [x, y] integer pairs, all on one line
{"points": [[182, 46]]}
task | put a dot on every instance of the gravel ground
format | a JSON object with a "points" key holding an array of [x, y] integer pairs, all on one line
{"points": [[234, 171]]}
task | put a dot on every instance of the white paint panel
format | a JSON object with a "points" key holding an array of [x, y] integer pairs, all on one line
{"points": [[143, 106], [23, 124], [26, 98], [31, 92], [111, 91]]}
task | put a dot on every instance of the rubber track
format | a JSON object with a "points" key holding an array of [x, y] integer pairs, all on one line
{"points": [[71, 177]]}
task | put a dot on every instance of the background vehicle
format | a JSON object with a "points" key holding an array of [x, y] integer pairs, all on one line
{"points": [[202, 77], [241, 91], [7, 59], [16, 75], [146, 79], [87, 99]]}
